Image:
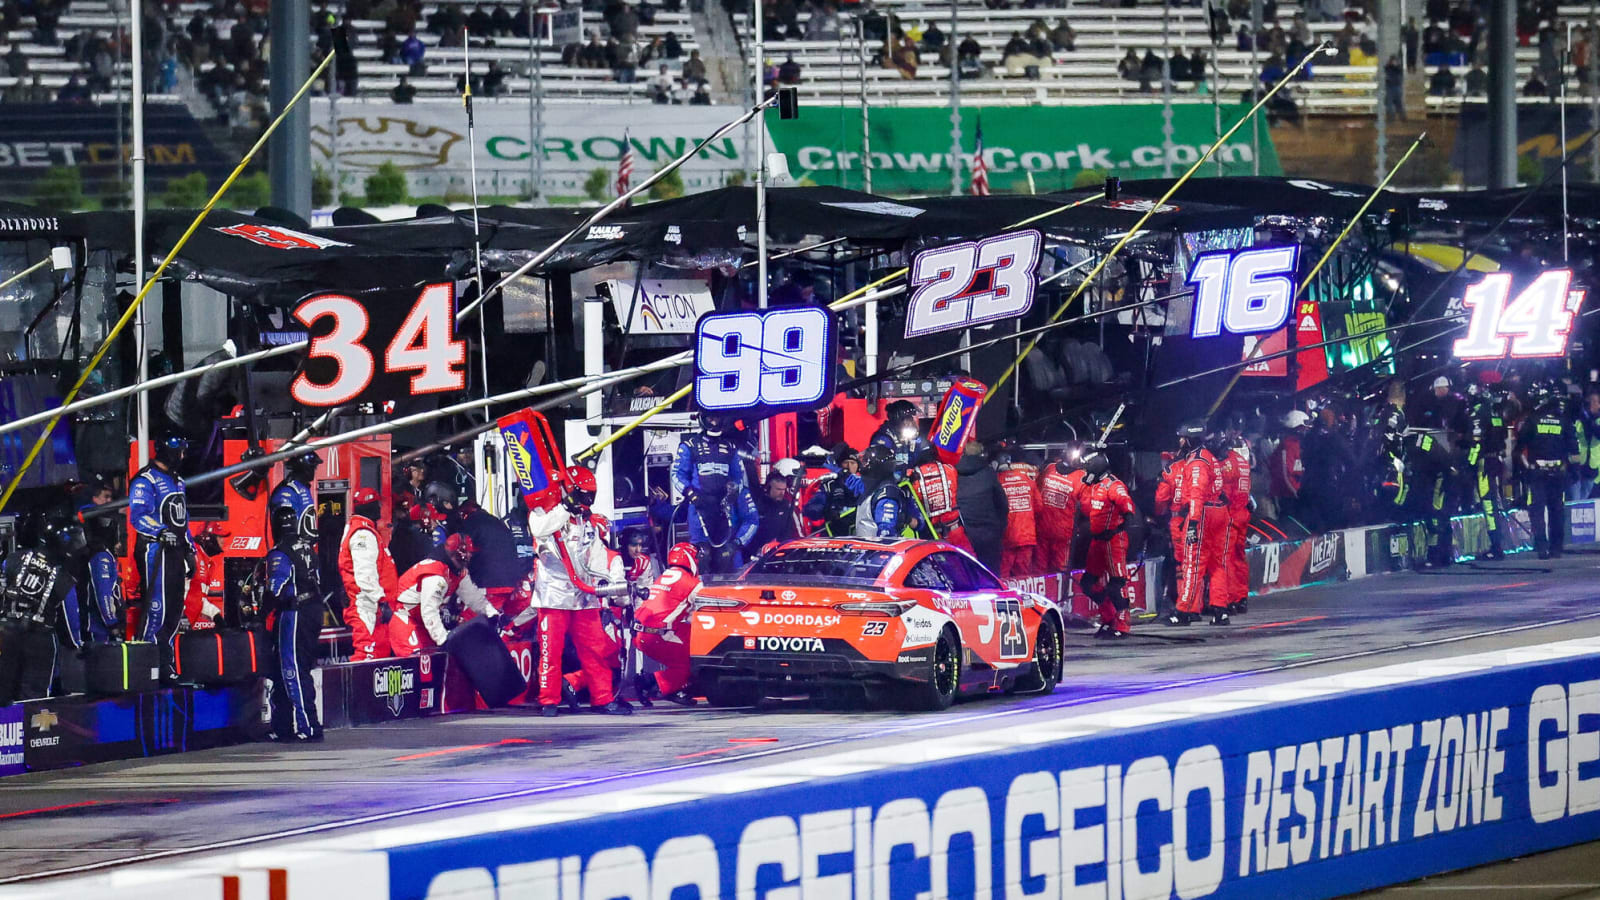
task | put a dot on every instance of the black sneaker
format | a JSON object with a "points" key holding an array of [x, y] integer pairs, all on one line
{"points": [[1219, 615], [617, 707], [1240, 608], [646, 687], [1494, 555], [1177, 618], [683, 698], [570, 696], [550, 711]]}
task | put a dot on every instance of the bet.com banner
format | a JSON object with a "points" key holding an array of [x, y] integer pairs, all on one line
{"points": [[911, 150], [1334, 795], [429, 143]]}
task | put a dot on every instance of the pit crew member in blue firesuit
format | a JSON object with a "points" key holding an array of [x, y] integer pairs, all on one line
{"points": [[158, 510], [296, 622], [709, 473]]}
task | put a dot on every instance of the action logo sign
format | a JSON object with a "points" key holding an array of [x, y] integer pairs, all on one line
{"points": [[973, 282], [958, 414], [383, 345], [1243, 291], [1536, 324], [761, 363]]}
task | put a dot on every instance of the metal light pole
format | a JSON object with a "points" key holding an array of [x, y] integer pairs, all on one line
{"points": [[141, 322], [760, 124], [1590, 37], [1502, 94], [866, 129], [1255, 83], [955, 100], [536, 106], [1166, 88]]}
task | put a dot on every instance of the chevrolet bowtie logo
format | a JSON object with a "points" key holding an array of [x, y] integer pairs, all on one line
{"points": [[44, 720]]}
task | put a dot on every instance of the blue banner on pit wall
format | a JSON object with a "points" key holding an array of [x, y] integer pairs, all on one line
{"points": [[1316, 798]]}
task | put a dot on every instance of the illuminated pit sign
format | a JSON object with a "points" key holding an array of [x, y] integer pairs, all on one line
{"points": [[773, 361], [1243, 291], [973, 282], [1536, 324]]}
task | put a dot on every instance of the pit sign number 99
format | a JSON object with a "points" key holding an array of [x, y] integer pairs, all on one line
{"points": [[779, 358]]}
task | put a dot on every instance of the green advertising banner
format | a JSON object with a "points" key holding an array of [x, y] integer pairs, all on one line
{"points": [[911, 147]]}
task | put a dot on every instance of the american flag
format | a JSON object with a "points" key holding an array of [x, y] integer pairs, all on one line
{"points": [[980, 171], [625, 165]]}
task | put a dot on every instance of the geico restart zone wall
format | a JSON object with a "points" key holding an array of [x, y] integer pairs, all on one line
{"points": [[1309, 789]]}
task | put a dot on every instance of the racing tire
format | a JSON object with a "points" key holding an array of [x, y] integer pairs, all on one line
{"points": [[944, 677], [721, 692], [1047, 660]]}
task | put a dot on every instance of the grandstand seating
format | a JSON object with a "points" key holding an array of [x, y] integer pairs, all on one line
{"points": [[831, 69]]}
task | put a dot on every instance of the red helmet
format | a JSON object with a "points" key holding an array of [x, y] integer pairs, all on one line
{"points": [[215, 529], [459, 546], [363, 496], [581, 488], [685, 556]]}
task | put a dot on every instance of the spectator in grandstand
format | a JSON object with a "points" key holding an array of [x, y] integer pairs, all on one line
{"points": [[403, 92], [1178, 66], [1128, 66], [73, 91], [494, 80], [1017, 46], [593, 54], [1062, 37], [874, 26], [412, 51], [16, 62], [789, 72], [1411, 38], [694, 68], [671, 47], [346, 74], [1442, 83], [661, 85], [1245, 40], [702, 97], [823, 24], [1394, 88], [1199, 66], [969, 48], [625, 24], [903, 54], [1535, 86], [500, 21], [1477, 81], [1150, 70]]}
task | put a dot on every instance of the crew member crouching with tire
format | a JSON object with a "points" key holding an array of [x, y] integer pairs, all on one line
{"points": [[663, 625], [426, 589]]}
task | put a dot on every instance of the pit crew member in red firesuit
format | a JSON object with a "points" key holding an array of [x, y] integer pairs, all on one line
{"points": [[202, 607], [1022, 527], [1107, 506], [1059, 484], [934, 484], [662, 622], [425, 590], [371, 581], [1169, 499], [1236, 483], [574, 574], [1203, 586]]}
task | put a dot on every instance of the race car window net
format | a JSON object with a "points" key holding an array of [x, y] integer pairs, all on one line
{"points": [[852, 566]]}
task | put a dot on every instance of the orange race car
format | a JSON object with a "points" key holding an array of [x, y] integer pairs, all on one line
{"points": [[913, 622]]}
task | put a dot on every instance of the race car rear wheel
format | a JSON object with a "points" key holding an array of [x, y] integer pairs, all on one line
{"points": [[724, 692], [944, 676], [1047, 654]]}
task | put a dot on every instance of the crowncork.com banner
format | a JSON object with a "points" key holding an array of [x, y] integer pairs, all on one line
{"points": [[911, 152]]}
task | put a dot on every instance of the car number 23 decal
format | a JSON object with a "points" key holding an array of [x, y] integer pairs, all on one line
{"points": [[966, 284]]}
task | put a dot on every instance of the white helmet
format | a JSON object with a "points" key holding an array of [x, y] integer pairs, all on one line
{"points": [[1296, 419], [788, 467]]}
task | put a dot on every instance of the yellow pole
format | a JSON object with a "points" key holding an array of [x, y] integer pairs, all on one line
{"points": [[133, 307], [24, 273], [1134, 231], [684, 391], [1349, 226]]}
